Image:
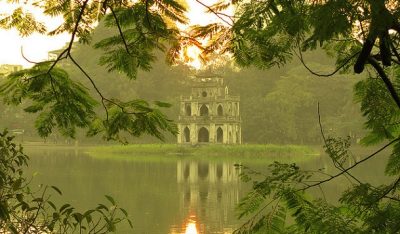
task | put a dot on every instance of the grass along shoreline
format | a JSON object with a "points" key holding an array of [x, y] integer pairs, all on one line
{"points": [[223, 152]]}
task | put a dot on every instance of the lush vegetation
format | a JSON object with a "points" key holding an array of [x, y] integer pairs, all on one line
{"points": [[66, 104], [25, 209], [362, 35], [271, 112]]}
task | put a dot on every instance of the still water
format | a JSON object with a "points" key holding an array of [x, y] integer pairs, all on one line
{"points": [[179, 195]]}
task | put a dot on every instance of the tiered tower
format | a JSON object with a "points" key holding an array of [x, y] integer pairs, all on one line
{"points": [[209, 115]]}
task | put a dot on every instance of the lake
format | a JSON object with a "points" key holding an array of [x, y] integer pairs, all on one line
{"points": [[177, 195]]}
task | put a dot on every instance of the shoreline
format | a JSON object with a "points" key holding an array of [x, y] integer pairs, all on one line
{"points": [[170, 152]]}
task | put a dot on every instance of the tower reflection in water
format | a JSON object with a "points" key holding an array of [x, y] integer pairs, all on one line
{"points": [[208, 193], [190, 227]]}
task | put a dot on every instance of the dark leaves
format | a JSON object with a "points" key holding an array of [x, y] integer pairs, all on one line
{"points": [[36, 211], [61, 101], [141, 33], [136, 117], [378, 107]]}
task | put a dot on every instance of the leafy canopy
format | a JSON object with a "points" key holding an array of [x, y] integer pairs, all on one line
{"points": [[359, 34], [141, 29]]}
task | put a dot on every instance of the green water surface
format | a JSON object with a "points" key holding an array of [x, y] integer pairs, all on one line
{"points": [[166, 194]]}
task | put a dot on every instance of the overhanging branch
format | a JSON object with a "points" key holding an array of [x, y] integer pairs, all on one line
{"points": [[385, 79]]}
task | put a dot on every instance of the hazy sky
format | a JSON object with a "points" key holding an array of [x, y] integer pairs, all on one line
{"points": [[36, 46]]}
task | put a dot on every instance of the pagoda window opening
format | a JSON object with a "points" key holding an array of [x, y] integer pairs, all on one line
{"points": [[203, 135], [203, 110], [188, 110], [220, 110], [220, 135], [186, 134]]}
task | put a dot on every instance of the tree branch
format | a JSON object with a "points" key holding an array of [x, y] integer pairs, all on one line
{"points": [[394, 185], [300, 56], [28, 60], [385, 79], [78, 20], [120, 31], [103, 98], [215, 13], [335, 162], [349, 168]]}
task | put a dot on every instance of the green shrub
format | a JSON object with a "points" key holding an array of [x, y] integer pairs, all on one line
{"points": [[23, 210]]}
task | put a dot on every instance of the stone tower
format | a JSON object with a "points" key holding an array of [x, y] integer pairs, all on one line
{"points": [[209, 115]]}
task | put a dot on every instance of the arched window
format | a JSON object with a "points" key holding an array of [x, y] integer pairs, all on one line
{"points": [[203, 110], [220, 135], [186, 134], [203, 135], [204, 94], [220, 111], [188, 110]]}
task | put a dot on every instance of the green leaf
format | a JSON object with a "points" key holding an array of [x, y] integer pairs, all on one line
{"points": [[52, 205], [4, 213], [124, 211], [63, 207], [130, 223], [162, 104], [78, 217], [17, 184], [393, 164], [101, 206], [110, 199], [56, 189]]}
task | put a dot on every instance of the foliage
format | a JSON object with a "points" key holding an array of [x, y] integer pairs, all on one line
{"points": [[25, 210], [129, 31], [60, 101], [142, 29], [133, 48], [361, 34], [381, 112], [135, 117], [282, 194], [358, 33]]}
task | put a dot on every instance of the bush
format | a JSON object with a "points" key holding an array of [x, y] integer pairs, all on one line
{"points": [[25, 211]]}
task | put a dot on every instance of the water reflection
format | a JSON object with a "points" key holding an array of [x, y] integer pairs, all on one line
{"points": [[162, 195], [190, 226], [193, 171], [211, 190]]}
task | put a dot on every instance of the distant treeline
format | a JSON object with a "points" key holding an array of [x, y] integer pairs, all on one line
{"points": [[277, 106]]}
